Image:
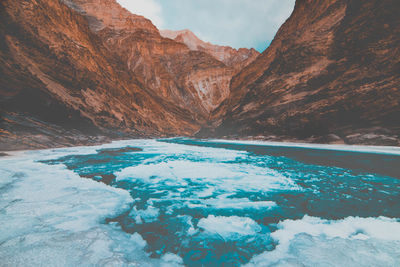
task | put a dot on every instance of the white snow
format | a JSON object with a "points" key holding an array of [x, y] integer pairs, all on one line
{"points": [[230, 177], [352, 241], [393, 150], [148, 215], [232, 227], [50, 216]]}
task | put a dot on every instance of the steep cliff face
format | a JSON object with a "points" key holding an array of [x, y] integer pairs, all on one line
{"points": [[331, 74], [235, 58], [194, 80], [76, 68], [108, 13], [60, 82]]}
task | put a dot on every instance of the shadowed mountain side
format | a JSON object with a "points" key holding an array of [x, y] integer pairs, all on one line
{"points": [[331, 74], [91, 68]]}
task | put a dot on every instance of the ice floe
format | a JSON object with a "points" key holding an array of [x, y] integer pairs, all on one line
{"points": [[232, 227], [225, 177], [50, 216], [352, 241]]}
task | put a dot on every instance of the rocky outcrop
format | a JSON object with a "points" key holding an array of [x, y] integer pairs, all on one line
{"points": [[56, 69], [332, 70], [103, 14], [192, 79], [90, 68], [78, 72], [235, 58]]}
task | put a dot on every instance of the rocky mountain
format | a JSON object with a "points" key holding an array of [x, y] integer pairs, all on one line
{"points": [[235, 58], [82, 71], [193, 80], [330, 75], [85, 71]]}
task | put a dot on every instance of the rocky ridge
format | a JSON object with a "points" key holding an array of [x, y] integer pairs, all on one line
{"points": [[75, 72], [235, 58], [73, 69], [330, 75], [193, 79]]}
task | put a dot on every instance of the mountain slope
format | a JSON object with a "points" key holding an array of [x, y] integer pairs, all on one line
{"points": [[192, 80], [72, 69], [235, 58], [331, 74]]}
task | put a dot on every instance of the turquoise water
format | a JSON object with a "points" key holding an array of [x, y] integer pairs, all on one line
{"points": [[222, 204]]}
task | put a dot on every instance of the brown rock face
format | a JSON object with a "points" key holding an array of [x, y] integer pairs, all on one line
{"points": [[103, 14], [192, 79], [56, 69], [235, 58], [333, 68], [74, 68]]}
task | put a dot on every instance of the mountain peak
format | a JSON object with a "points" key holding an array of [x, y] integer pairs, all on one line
{"points": [[235, 58], [110, 14]]}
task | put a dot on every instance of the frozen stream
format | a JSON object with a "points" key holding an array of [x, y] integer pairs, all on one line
{"points": [[191, 202]]}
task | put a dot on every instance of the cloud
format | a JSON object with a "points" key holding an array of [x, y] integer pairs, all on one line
{"points": [[150, 9], [237, 23]]}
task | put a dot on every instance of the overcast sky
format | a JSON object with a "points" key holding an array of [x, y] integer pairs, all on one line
{"points": [[237, 23]]}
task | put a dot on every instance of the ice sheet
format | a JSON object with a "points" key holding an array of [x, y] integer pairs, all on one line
{"points": [[352, 241], [226, 177], [232, 227], [355, 148], [51, 216], [222, 197]]}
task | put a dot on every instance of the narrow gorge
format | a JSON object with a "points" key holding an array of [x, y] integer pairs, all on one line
{"points": [[76, 72], [82, 72]]}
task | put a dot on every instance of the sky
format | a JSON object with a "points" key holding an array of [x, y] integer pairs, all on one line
{"points": [[237, 23]]}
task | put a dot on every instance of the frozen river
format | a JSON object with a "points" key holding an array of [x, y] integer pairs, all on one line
{"points": [[201, 203]]}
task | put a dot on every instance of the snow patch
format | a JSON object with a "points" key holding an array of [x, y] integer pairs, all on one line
{"points": [[148, 215], [228, 177], [352, 241], [55, 217], [232, 227], [393, 150]]}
